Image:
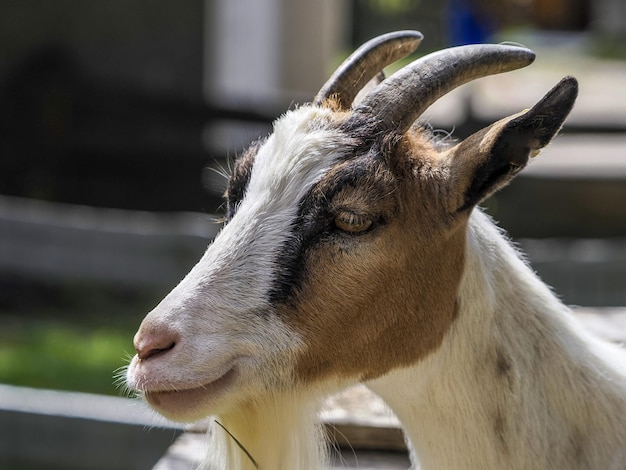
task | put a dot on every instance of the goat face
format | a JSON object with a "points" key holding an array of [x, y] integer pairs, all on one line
{"points": [[340, 259], [308, 276]]}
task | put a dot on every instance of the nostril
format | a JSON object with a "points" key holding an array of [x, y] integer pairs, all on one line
{"points": [[155, 343], [145, 354]]}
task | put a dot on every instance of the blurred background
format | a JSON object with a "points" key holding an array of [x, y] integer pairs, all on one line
{"points": [[118, 121]]}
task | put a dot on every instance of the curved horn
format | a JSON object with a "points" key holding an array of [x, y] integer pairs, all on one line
{"points": [[365, 63], [402, 98]]}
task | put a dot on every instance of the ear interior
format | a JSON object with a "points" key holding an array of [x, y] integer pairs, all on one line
{"points": [[490, 158]]}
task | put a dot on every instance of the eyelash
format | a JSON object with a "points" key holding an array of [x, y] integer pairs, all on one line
{"points": [[352, 223]]}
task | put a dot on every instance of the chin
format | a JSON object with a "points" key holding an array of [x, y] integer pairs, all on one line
{"points": [[187, 400]]}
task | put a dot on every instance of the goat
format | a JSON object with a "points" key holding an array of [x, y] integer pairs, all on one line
{"points": [[354, 251]]}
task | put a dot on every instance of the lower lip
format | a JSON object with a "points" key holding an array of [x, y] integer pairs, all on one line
{"points": [[183, 403]]}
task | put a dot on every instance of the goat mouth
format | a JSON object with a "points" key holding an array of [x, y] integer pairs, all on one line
{"points": [[184, 404]]}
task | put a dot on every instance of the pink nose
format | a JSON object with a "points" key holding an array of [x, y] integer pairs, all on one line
{"points": [[153, 342]]}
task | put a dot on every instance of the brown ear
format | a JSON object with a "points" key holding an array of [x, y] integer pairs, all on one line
{"points": [[487, 160]]}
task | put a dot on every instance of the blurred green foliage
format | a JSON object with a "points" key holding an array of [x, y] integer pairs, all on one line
{"points": [[68, 336], [60, 355]]}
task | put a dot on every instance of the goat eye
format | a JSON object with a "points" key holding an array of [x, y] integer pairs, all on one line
{"points": [[352, 223]]}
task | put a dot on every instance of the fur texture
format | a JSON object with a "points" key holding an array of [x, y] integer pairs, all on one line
{"points": [[358, 256], [517, 383]]}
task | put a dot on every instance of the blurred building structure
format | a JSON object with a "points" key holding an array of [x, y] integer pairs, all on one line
{"points": [[98, 97], [264, 52], [609, 17], [132, 104]]}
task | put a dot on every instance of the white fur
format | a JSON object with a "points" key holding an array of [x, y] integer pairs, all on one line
{"points": [[219, 309], [574, 391], [280, 431], [561, 403]]}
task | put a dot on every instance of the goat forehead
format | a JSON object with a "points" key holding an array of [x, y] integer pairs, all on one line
{"points": [[304, 145]]}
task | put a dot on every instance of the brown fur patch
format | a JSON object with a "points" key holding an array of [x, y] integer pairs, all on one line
{"points": [[385, 299], [333, 103]]}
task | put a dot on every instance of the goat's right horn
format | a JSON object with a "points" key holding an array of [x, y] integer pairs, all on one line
{"points": [[366, 63], [398, 101]]}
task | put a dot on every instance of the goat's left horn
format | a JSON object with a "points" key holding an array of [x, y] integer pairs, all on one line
{"points": [[400, 100], [366, 63]]}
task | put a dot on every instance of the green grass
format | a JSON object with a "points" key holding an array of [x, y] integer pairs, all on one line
{"points": [[58, 355], [70, 338]]}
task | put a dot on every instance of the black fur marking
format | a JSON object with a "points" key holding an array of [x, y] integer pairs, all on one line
{"points": [[240, 177], [523, 134], [495, 173], [503, 364], [314, 225], [370, 139]]}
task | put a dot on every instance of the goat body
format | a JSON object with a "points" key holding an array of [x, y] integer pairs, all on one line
{"points": [[354, 252]]}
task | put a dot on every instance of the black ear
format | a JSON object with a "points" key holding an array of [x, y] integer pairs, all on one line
{"points": [[489, 159]]}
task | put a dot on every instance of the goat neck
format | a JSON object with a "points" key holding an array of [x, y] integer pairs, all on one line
{"points": [[517, 383]]}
